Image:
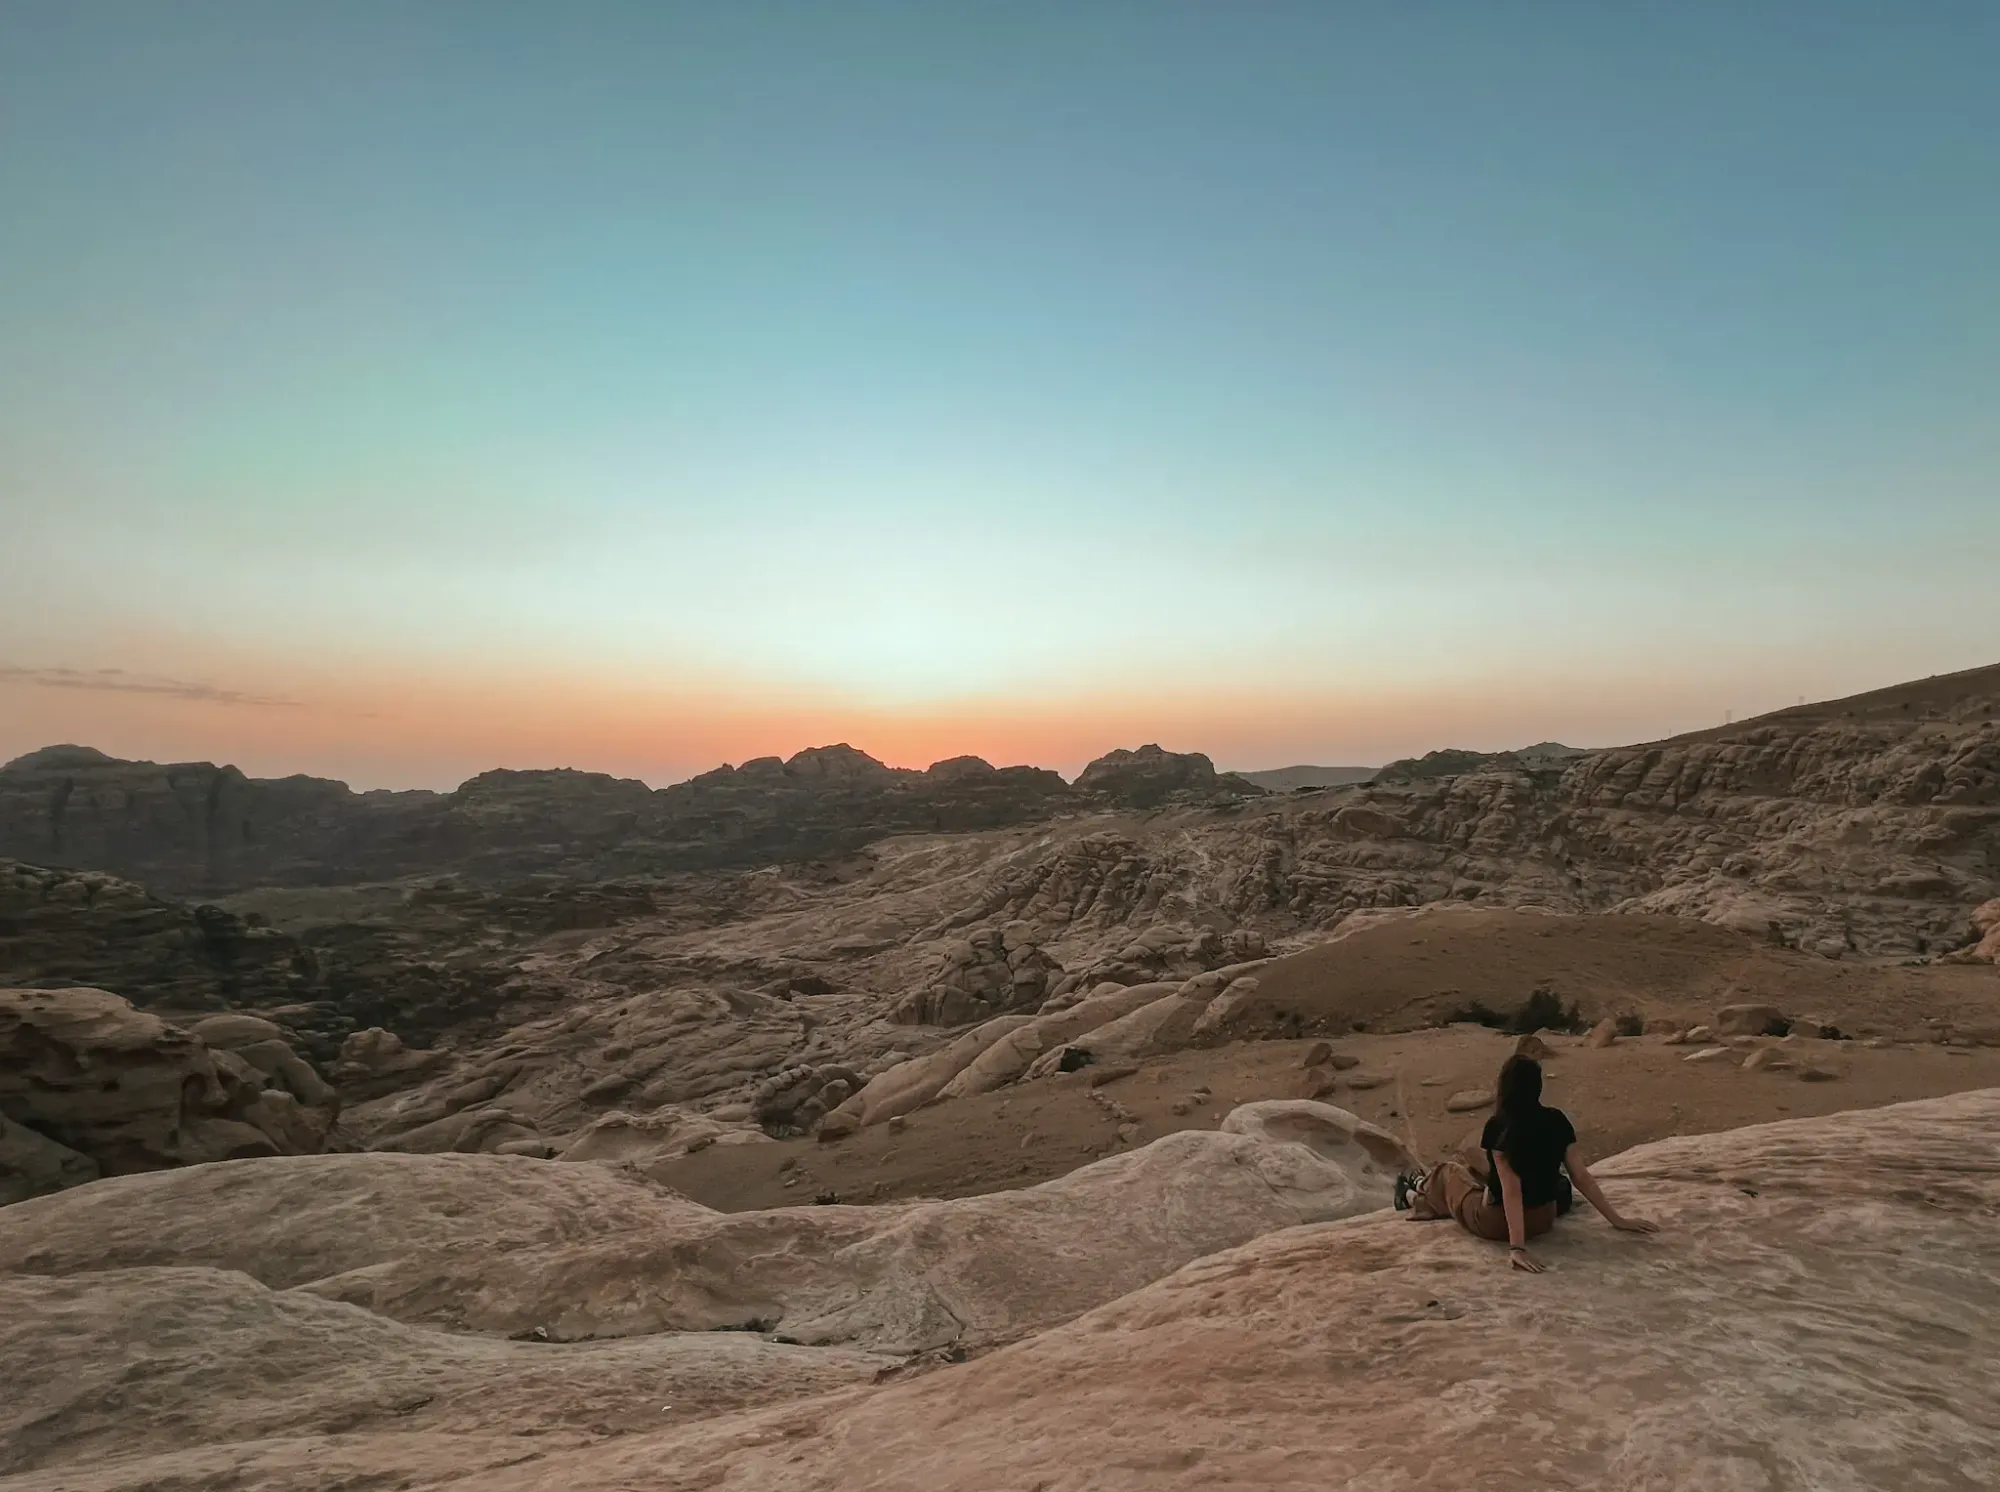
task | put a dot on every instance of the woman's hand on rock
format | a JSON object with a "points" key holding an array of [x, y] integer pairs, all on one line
{"points": [[1524, 1261], [1634, 1225]]}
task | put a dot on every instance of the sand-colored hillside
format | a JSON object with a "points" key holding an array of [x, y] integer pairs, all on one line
{"points": [[1401, 969]]}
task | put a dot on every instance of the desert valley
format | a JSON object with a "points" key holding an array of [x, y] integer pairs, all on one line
{"points": [[814, 1123], [876, 747]]}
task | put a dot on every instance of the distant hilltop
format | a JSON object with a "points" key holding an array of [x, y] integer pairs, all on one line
{"points": [[1448, 762], [1452, 762], [1292, 779]]}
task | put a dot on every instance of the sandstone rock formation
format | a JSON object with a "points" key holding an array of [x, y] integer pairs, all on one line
{"points": [[32, 1164], [89, 1086], [643, 1141], [1407, 1355], [1453, 762], [658, 1022], [1750, 1020], [794, 1099], [89, 928], [1018, 1050], [1985, 922], [189, 826], [375, 1062], [1149, 776], [915, 1081], [991, 971], [1368, 1345], [63, 928], [230, 1362], [501, 1245]]}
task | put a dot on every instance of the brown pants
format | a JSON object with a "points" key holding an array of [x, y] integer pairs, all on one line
{"points": [[1450, 1190]]}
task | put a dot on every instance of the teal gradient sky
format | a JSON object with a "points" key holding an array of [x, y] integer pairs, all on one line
{"points": [[394, 390]]}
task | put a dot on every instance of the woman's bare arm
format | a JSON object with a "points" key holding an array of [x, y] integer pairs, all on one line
{"points": [[1587, 1184], [1517, 1217]]}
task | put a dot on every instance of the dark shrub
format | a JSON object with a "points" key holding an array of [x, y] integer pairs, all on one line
{"points": [[1541, 1011]]}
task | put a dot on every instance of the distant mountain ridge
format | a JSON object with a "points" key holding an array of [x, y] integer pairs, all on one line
{"points": [[1451, 761], [1447, 762], [1891, 801], [195, 827]]}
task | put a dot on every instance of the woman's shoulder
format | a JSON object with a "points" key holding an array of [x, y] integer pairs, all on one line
{"points": [[1557, 1120]]}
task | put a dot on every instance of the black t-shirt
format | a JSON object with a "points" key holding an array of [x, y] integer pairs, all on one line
{"points": [[1537, 1156]]}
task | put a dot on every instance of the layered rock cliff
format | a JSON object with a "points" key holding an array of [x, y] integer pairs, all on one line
{"points": [[91, 1087]]}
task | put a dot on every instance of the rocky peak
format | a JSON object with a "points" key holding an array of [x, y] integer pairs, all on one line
{"points": [[1454, 761], [1146, 777], [839, 763], [959, 768], [59, 759], [504, 780], [567, 801]]}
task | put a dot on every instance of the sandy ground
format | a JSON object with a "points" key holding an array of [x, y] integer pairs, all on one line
{"points": [[1408, 970], [1641, 1089]]}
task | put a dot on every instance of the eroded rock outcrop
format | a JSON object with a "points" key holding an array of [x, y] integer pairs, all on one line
{"points": [[91, 1086], [505, 1244], [85, 928], [230, 1362], [1369, 1343], [1018, 1050], [990, 971], [1409, 1355], [90, 928], [795, 1099], [376, 1062], [1150, 776], [1985, 949], [910, 1084]]}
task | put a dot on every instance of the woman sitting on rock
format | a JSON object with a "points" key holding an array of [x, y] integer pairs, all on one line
{"points": [[1527, 1146]]}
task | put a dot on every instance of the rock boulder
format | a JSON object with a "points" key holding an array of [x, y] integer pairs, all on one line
{"points": [[115, 1090]]}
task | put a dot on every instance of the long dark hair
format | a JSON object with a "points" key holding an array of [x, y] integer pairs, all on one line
{"points": [[1517, 1099]]}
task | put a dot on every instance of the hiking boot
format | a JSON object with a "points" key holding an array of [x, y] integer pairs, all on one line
{"points": [[1408, 1184]]}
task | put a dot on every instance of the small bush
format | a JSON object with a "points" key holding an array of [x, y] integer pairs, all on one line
{"points": [[1541, 1011], [1545, 1011], [1631, 1025]]}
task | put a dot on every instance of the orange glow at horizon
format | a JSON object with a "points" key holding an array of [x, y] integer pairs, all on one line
{"points": [[418, 732]]}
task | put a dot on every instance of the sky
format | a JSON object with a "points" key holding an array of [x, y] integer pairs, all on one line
{"points": [[395, 391]]}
